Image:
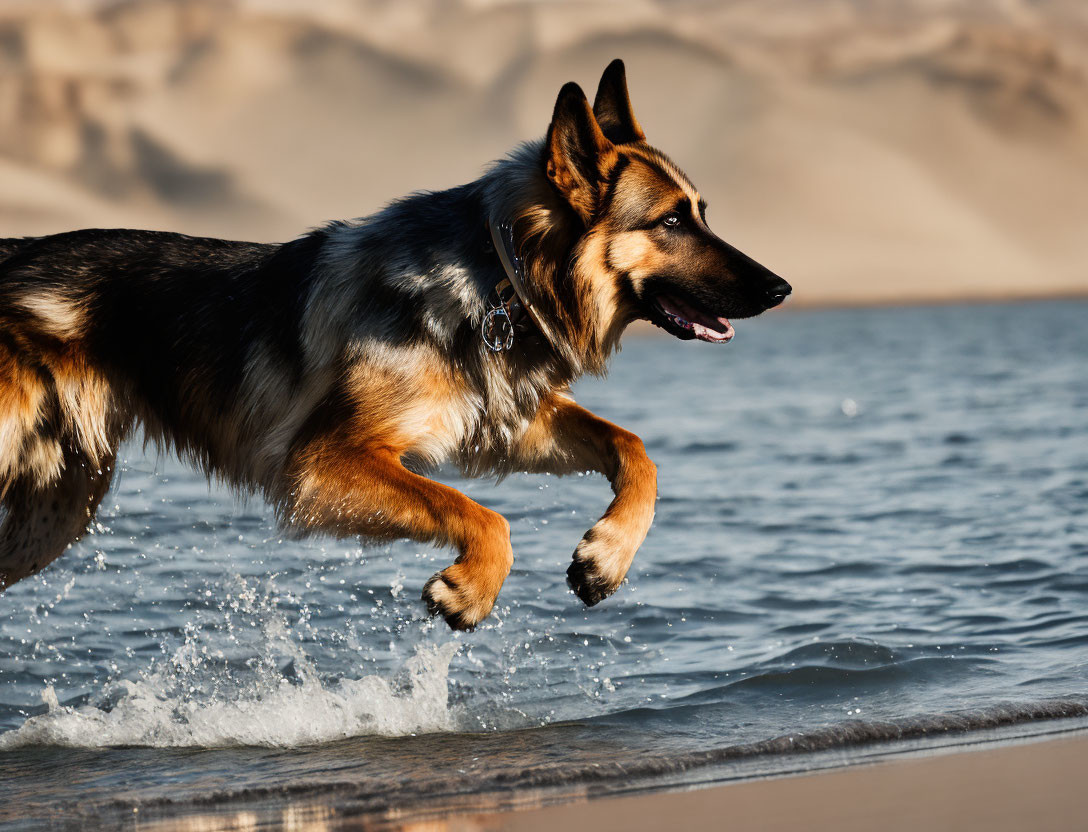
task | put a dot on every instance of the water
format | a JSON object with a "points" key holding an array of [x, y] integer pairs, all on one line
{"points": [[871, 525]]}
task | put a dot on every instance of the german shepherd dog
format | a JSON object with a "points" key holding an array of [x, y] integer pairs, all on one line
{"points": [[324, 373]]}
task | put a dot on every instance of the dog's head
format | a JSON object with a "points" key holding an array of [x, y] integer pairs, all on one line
{"points": [[644, 236]]}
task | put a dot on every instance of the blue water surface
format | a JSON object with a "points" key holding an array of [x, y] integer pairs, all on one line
{"points": [[864, 515]]}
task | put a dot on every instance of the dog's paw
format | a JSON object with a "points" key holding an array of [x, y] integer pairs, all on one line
{"points": [[450, 594], [587, 583], [589, 574]]}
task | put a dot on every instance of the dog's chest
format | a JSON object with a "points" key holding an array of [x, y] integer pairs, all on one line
{"points": [[461, 421], [432, 408]]}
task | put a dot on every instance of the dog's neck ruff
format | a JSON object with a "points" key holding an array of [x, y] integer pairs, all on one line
{"points": [[508, 298]]}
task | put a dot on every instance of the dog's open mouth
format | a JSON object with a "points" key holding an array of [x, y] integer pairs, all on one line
{"points": [[693, 322]]}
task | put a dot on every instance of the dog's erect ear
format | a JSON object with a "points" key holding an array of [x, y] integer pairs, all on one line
{"points": [[612, 106], [575, 149]]}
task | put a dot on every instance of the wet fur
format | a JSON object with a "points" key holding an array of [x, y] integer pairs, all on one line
{"points": [[326, 373]]}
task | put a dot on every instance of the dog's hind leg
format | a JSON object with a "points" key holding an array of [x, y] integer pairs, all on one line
{"points": [[348, 491], [42, 520]]}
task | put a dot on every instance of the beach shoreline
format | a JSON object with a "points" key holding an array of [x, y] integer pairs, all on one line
{"points": [[1012, 776], [1032, 783]]}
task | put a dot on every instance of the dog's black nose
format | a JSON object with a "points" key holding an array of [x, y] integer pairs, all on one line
{"points": [[778, 292]]}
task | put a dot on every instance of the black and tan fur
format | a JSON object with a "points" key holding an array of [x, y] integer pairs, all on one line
{"points": [[326, 372]]}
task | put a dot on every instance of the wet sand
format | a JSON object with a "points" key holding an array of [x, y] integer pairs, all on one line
{"points": [[1037, 785], [983, 782]]}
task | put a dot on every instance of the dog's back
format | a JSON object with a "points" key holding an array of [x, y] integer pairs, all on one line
{"points": [[12, 245]]}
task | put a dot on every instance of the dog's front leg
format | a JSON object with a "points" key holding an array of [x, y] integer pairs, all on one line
{"points": [[350, 491], [565, 438]]}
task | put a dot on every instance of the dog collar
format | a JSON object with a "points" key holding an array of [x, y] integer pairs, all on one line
{"points": [[508, 299]]}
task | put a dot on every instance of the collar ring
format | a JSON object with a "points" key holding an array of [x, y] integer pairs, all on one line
{"points": [[497, 330]]}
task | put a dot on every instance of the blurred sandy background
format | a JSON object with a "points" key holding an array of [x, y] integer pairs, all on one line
{"points": [[868, 151]]}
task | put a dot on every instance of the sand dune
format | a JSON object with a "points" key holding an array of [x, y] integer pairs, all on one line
{"points": [[869, 152]]}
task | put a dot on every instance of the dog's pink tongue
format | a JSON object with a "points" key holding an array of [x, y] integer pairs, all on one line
{"points": [[718, 335], [711, 328]]}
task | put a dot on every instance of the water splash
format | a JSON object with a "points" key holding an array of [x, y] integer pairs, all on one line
{"points": [[284, 715], [240, 676]]}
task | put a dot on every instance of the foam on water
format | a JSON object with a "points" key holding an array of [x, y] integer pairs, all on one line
{"points": [[241, 677], [285, 713]]}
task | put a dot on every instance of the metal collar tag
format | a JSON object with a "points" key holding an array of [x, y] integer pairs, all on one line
{"points": [[497, 330], [502, 237]]}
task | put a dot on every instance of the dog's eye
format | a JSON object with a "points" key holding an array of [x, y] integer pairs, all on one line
{"points": [[671, 220]]}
